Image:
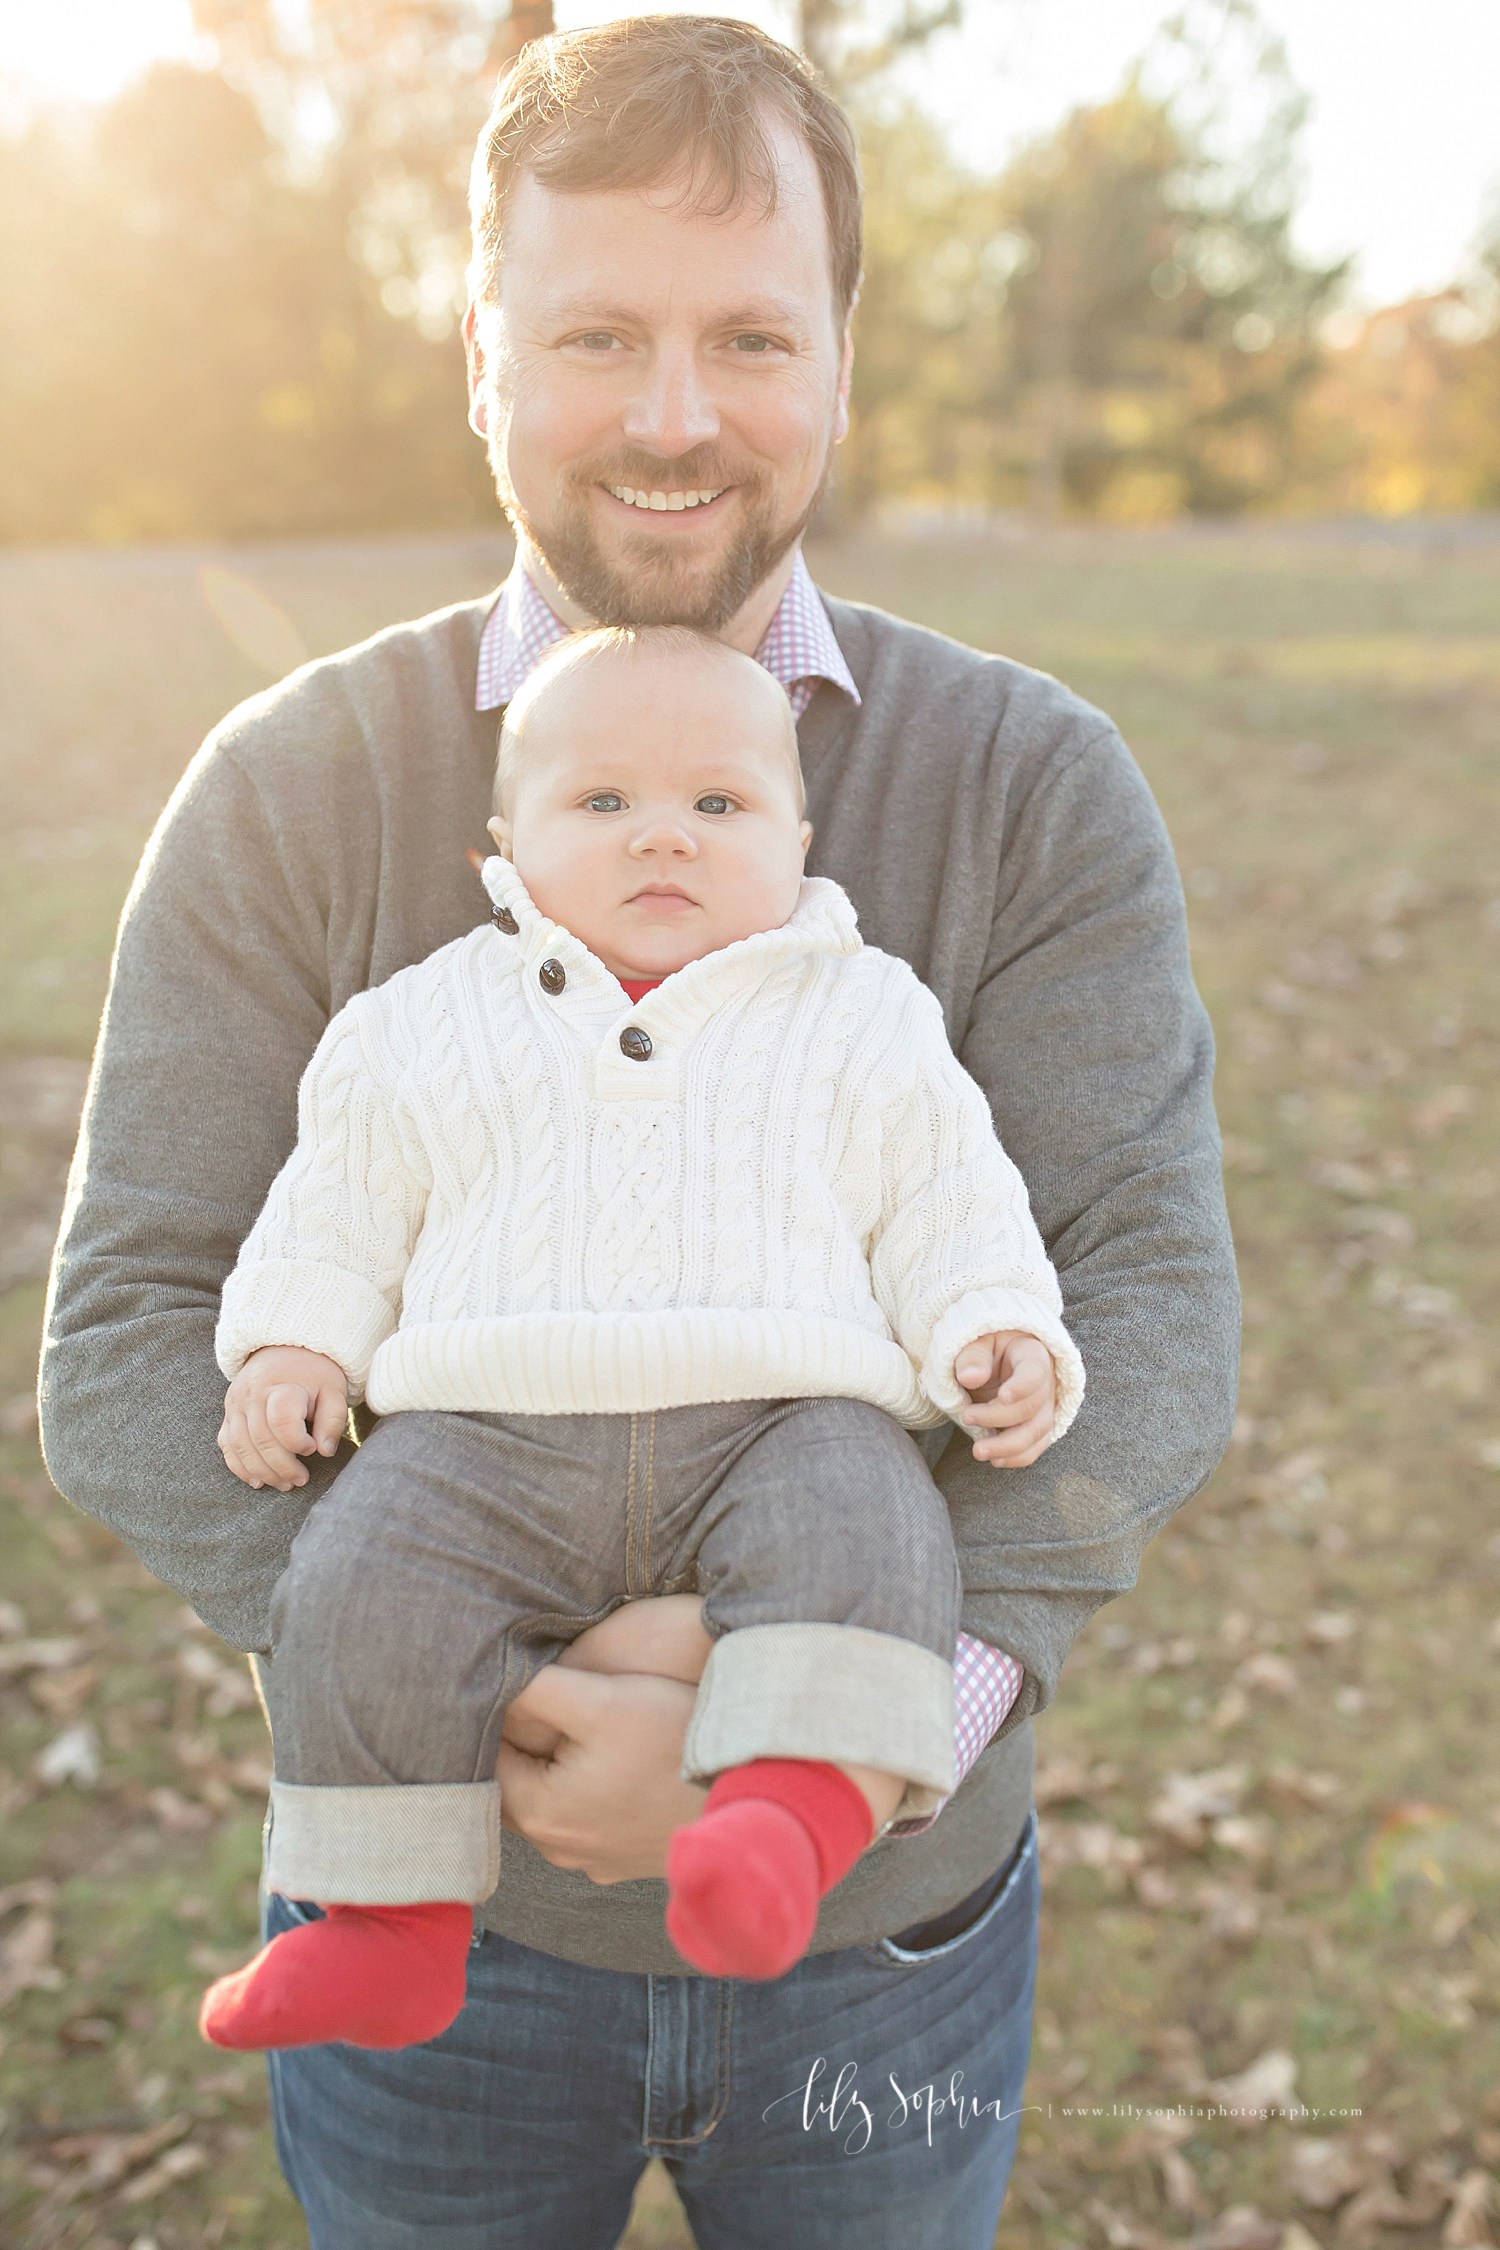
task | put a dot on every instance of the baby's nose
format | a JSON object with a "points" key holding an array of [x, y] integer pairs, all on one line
{"points": [[666, 835]]}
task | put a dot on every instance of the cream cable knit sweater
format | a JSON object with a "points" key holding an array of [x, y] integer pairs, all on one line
{"points": [[495, 1206]]}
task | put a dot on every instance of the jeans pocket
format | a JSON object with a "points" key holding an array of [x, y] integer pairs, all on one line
{"points": [[888, 1953], [284, 1913]]}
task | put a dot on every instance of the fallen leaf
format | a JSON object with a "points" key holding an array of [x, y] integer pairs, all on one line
{"points": [[1441, 1109], [1466, 2226], [74, 1756], [17, 1657], [1268, 1673], [1089, 1843], [1231, 1913], [1321, 2173], [229, 1689], [1181, 2057], [177, 2164], [1154, 1889], [1295, 2236], [1159, 2129], [1119, 2231], [252, 1774], [179, 1815], [1381, 2204], [1179, 2182], [1292, 1785], [26, 1957], [87, 2031], [1245, 1834], [1188, 1801], [1241, 2227], [115, 2155], [1270, 2082]]}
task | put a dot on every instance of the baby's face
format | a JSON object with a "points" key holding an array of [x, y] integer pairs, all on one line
{"points": [[654, 809]]}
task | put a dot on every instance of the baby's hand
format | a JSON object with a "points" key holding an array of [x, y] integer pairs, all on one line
{"points": [[1013, 1384], [284, 1401]]}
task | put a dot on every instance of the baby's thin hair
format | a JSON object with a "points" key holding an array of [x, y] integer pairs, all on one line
{"points": [[592, 647]]}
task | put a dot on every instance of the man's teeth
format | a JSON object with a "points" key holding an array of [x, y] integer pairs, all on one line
{"points": [[664, 501]]}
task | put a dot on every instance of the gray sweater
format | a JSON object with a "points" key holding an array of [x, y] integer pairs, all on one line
{"points": [[990, 828]]}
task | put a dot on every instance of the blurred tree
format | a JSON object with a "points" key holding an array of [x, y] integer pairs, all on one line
{"points": [[930, 345], [838, 37], [1162, 327], [193, 349], [1406, 416]]}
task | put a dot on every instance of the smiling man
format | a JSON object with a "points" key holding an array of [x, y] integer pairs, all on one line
{"points": [[667, 252]]}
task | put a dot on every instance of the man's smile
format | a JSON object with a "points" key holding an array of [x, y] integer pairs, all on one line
{"points": [[674, 503]]}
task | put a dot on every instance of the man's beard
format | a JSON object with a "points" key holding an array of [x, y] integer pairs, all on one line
{"points": [[653, 584]]}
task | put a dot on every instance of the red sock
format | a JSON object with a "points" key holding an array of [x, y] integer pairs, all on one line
{"points": [[744, 1880], [373, 1976]]}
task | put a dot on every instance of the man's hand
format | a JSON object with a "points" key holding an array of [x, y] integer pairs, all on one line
{"points": [[607, 1800], [283, 1402], [1013, 1383]]}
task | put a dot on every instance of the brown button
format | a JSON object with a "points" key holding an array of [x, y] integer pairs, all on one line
{"points": [[635, 1043], [503, 919], [553, 976]]}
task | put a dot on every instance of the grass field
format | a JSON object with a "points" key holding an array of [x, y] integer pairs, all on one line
{"points": [[1271, 1800]]}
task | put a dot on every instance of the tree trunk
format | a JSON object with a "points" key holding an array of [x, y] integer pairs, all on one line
{"points": [[528, 20]]}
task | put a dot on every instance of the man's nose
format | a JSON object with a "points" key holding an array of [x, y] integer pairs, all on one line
{"points": [[672, 410], [664, 835]]}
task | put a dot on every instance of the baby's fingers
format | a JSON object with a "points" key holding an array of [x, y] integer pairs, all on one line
{"points": [[974, 1365], [1018, 1447], [330, 1418], [279, 1464], [240, 1456]]}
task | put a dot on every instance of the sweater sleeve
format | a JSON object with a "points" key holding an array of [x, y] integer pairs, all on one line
{"points": [[323, 1265], [1096, 1058], [957, 1254], [218, 996]]}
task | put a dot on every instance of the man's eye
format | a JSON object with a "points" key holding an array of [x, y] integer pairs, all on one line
{"points": [[597, 340], [753, 344], [605, 800], [713, 804]]}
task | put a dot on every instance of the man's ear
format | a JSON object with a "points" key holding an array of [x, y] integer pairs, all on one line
{"points": [[501, 831], [474, 361]]}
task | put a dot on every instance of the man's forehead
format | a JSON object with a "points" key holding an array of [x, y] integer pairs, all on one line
{"points": [[626, 244]]}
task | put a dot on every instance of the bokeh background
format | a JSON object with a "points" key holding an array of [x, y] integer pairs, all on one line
{"points": [[1179, 377]]}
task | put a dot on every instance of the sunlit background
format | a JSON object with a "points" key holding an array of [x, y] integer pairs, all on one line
{"points": [[236, 251], [1178, 379]]}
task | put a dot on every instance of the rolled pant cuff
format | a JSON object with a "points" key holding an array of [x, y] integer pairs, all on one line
{"points": [[387, 1844], [834, 1692]]}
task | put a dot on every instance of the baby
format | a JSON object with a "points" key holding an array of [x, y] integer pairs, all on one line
{"points": [[644, 1217]]}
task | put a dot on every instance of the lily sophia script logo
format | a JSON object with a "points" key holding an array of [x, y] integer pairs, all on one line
{"points": [[842, 2111]]}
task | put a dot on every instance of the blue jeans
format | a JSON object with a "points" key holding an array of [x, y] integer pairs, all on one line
{"points": [[868, 2101]]}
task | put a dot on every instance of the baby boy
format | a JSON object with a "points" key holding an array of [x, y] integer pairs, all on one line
{"points": [[644, 1216]]}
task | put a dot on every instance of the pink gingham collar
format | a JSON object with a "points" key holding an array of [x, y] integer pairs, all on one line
{"points": [[799, 648]]}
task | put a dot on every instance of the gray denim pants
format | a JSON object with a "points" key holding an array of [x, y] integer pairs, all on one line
{"points": [[458, 1553]]}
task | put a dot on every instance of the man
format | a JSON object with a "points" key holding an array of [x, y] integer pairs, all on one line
{"points": [[667, 254]]}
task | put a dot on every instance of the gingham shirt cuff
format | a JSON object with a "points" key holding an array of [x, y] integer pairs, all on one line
{"points": [[986, 1683]]}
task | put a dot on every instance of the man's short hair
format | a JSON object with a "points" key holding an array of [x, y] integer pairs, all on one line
{"points": [[627, 104], [603, 641]]}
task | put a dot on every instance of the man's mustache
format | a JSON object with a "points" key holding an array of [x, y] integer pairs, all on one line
{"points": [[699, 471]]}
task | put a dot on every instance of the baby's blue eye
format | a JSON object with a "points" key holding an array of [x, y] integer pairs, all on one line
{"points": [[712, 804], [606, 800]]}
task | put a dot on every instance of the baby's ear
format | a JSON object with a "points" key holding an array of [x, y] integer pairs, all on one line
{"points": [[805, 835], [500, 830]]}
